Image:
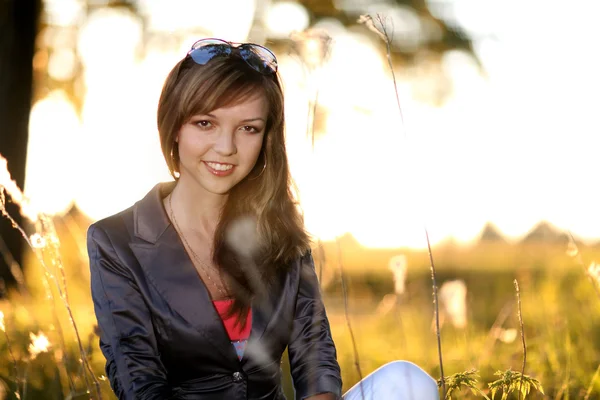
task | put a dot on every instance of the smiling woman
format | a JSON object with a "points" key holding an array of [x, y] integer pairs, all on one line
{"points": [[224, 143], [201, 286]]}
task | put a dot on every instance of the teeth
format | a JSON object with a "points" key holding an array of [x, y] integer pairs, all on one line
{"points": [[220, 167]]}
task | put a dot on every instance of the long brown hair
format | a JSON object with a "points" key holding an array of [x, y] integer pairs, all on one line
{"points": [[265, 197]]}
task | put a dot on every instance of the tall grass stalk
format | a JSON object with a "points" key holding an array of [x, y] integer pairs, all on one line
{"points": [[313, 47], [591, 387], [577, 255], [522, 335], [436, 313], [491, 337], [347, 314], [13, 266], [77, 234], [48, 234], [53, 248], [13, 359], [62, 296], [387, 37], [50, 296], [566, 383], [320, 261]]}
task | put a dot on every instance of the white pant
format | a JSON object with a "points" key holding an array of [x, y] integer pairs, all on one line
{"points": [[397, 380]]}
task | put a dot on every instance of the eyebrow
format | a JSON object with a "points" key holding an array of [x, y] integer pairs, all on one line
{"points": [[244, 120]]}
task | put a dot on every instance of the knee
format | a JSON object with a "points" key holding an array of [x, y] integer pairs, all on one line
{"points": [[410, 376]]}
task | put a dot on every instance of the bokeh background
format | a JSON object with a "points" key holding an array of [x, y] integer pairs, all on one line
{"points": [[493, 152]]}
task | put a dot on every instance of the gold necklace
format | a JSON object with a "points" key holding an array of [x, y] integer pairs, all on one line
{"points": [[202, 264]]}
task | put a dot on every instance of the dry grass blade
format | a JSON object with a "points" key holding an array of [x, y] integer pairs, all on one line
{"points": [[522, 333], [313, 47], [13, 266], [43, 242], [590, 388], [10, 352], [345, 295], [379, 27], [437, 313], [573, 251]]}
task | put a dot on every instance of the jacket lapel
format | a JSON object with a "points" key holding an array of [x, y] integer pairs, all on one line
{"points": [[263, 311], [264, 314], [163, 258]]}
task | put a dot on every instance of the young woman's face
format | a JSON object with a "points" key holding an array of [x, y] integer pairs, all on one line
{"points": [[219, 149]]}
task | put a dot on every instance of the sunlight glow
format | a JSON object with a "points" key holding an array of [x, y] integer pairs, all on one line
{"points": [[285, 17], [226, 19], [52, 154], [514, 146], [120, 153], [62, 64], [63, 12], [109, 36]]}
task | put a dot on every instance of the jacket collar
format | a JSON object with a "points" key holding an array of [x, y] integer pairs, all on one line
{"points": [[149, 215]]}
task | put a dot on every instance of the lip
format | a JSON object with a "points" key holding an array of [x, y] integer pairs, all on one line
{"points": [[216, 172]]}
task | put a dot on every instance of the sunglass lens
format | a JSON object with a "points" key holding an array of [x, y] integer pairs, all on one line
{"points": [[258, 58], [204, 53]]}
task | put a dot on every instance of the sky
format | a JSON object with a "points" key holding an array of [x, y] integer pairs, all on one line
{"points": [[513, 147]]}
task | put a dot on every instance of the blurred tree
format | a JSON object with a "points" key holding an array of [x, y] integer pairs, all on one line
{"points": [[18, 27], [490, 233], [451, 37]]}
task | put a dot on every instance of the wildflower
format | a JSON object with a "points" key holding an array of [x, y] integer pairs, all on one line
{"points": [[594, 272], [453, 301], [377, 28], [37, 241], [2, 326], [39, 344], [398, 266], [572, 249]]}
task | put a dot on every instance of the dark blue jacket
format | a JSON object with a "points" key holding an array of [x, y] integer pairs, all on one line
{"points": [[162, 337]]}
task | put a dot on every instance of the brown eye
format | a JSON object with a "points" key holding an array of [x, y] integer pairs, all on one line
{"points": [[204, 124], [250, 129]]}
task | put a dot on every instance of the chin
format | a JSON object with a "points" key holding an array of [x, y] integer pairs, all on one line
{"points": [[219, 189]]}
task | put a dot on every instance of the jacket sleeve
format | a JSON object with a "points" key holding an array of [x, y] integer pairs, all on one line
{"points": [[313, 358], [127, 339]]}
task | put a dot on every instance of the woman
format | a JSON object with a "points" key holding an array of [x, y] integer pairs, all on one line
{"points": [[200, 286]]}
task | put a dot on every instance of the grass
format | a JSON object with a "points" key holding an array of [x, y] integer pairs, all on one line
{"points": [[560, 309]]}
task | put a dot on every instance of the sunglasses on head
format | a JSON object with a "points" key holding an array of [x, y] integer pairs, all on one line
{"points": [[258, 57]]}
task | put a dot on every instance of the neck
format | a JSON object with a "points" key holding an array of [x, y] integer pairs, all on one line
{"points": [[195, 209]]}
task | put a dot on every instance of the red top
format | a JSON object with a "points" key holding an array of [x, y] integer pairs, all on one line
{"points": [[233, 330]]}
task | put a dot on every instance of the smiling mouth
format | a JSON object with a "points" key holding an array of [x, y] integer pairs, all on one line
{"points": [[219, 167]]}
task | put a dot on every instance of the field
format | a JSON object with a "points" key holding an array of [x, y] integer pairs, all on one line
{"points": [[560, 312]]}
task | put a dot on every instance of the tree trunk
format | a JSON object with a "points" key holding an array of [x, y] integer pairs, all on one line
{"points": [[18, 29]]}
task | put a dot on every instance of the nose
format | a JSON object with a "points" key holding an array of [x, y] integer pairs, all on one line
{"points": [[225, 143]]}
